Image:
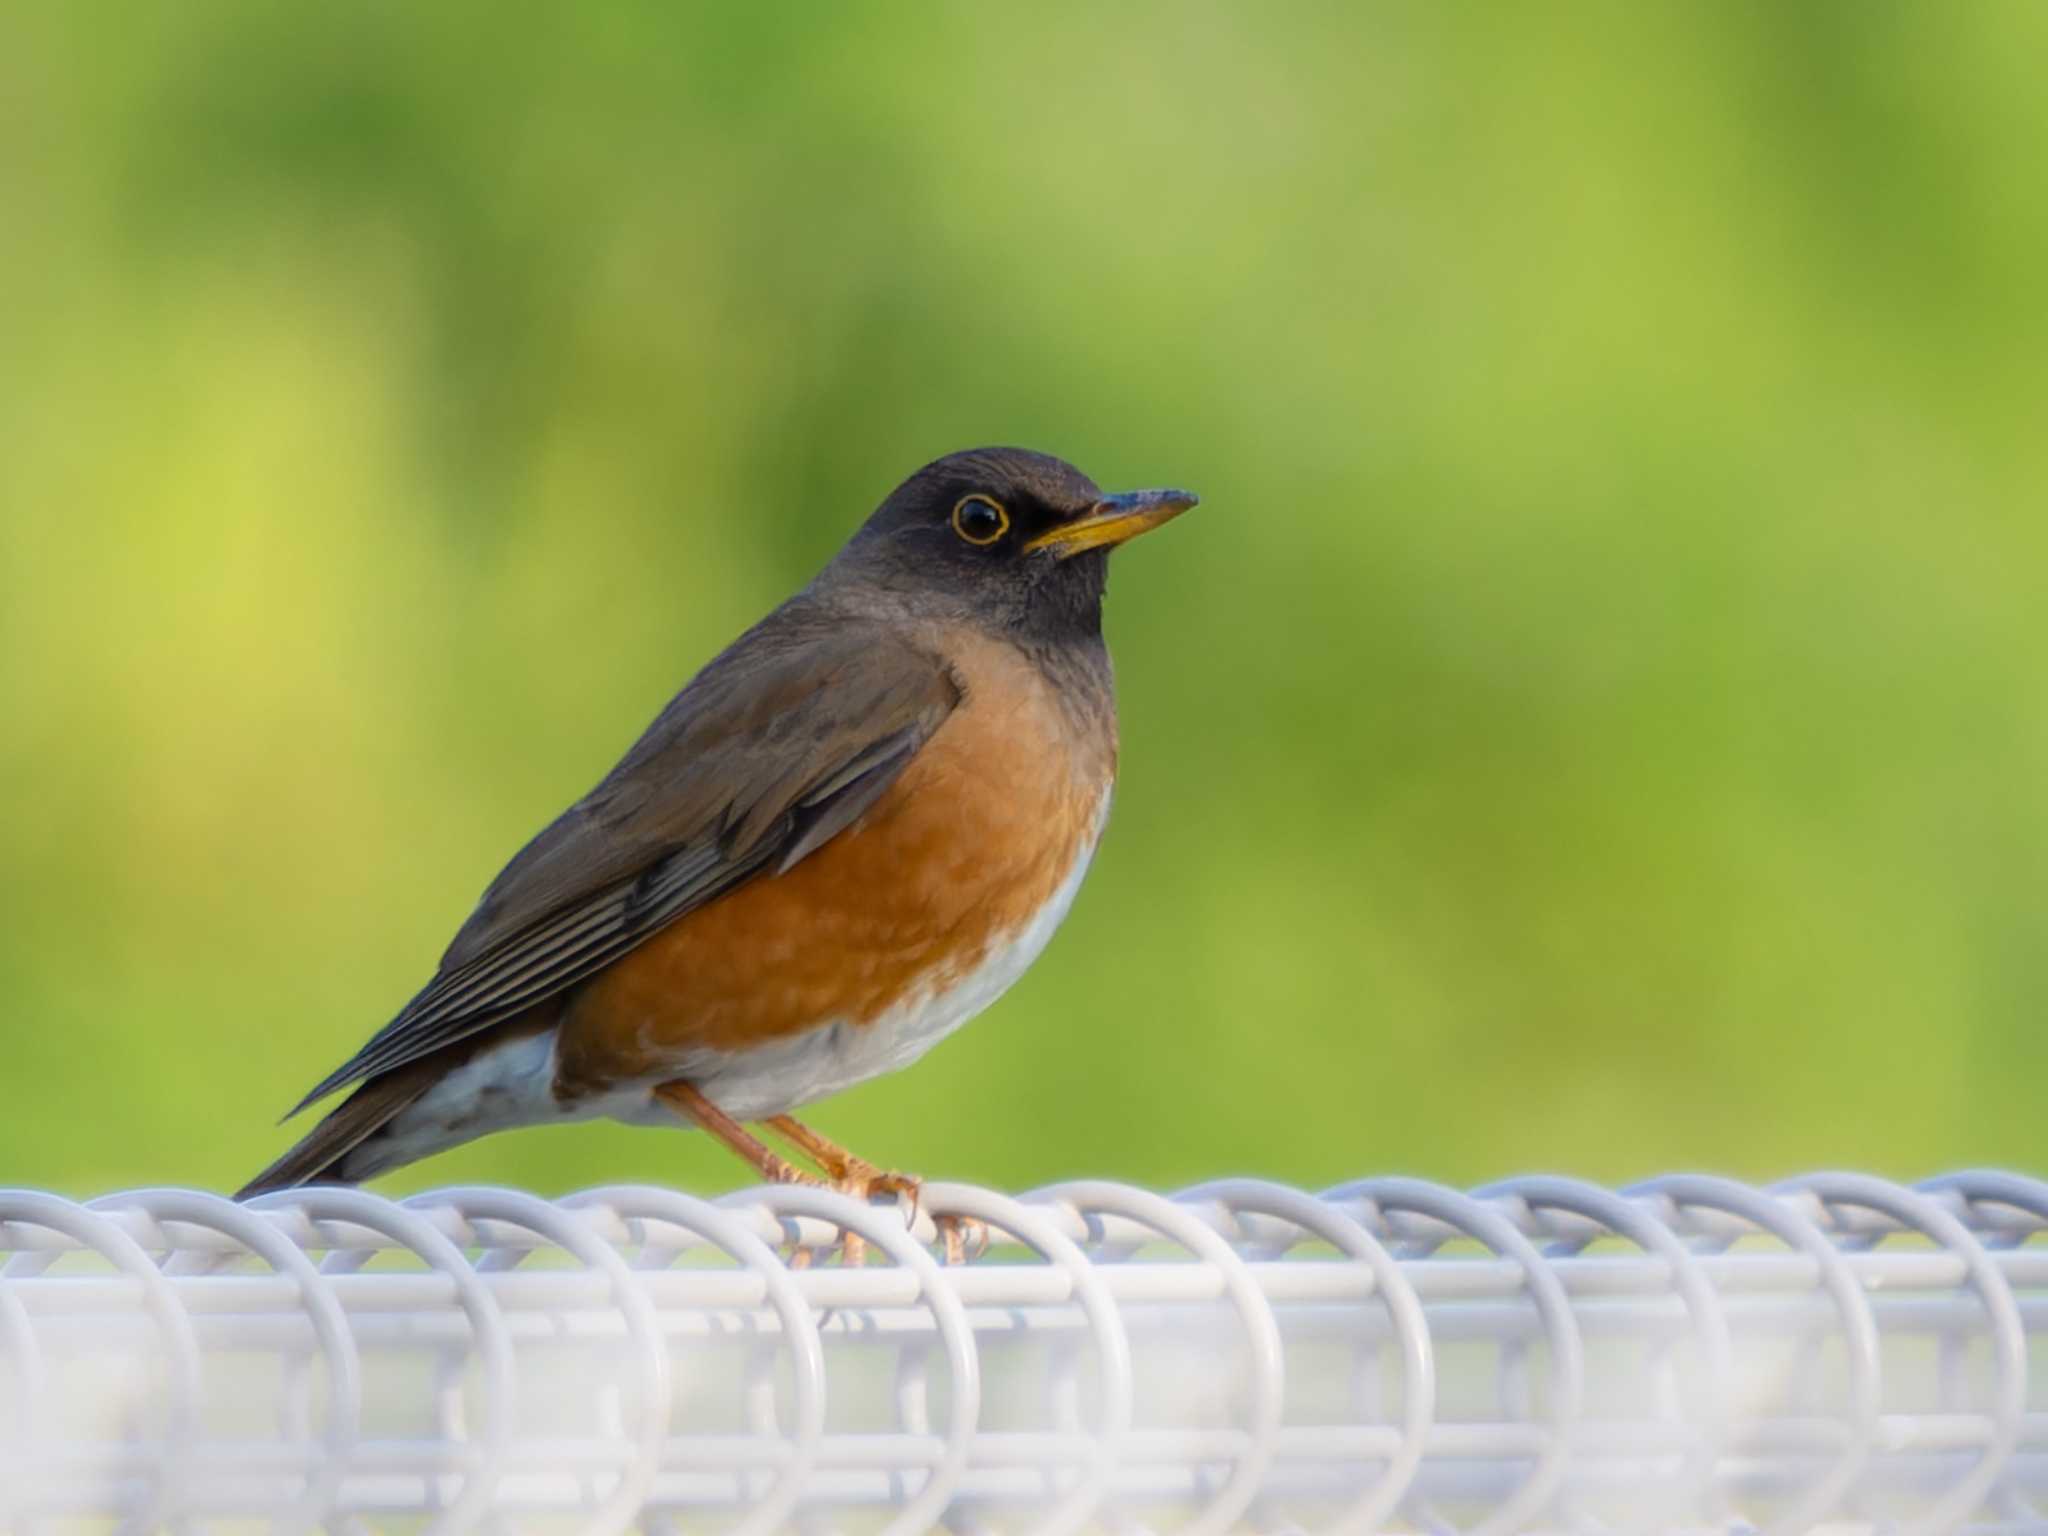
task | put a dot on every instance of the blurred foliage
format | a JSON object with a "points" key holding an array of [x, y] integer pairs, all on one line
{"points": [[1596, 719]]}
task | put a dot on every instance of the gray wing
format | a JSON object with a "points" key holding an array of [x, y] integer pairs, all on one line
{"points": [[775, 748]]}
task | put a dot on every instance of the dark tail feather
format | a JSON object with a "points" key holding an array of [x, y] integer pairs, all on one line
{"points": [[319, 1156]]}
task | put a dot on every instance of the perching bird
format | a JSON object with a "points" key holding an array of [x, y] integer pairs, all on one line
{"points": [[850, 833]]}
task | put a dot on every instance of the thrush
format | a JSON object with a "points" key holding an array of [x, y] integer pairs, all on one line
{"points": [[848, 835]]}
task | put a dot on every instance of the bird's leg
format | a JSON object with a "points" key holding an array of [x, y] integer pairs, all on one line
{"points": [[861, 1178], [964, 1237], [686, 1100], [850, 1175], [751, 1150], [856, 1175]]}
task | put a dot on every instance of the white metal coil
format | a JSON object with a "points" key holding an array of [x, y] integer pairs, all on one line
{"points": [[1835, 1352]]}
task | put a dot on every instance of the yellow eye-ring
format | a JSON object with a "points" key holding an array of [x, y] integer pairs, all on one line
{"points": [[979, 520]]}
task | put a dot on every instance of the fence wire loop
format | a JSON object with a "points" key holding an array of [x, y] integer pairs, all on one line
{"points": [[1460, 1215], [1917, 1212], [1072, 1500], [1144, 1214], [1542, 1354], [1610, 1213], [332, 1450], [883, 1229], [1309, 1220], [1762, 1214], [666, 1225], [348, 1224]]}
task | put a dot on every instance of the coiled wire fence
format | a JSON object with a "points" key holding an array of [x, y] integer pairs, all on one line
{"points": [[1834, 1353]]}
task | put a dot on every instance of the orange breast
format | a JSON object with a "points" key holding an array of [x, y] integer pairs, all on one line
{"points": [[968, 844]]}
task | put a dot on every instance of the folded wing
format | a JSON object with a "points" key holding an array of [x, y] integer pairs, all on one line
{"points": [[758, 763]]}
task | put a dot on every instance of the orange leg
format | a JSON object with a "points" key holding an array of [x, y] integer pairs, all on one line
{"points": [[861, 1178], [686, 1100], [751, 1150], [845, 1172], [855, 1174]]}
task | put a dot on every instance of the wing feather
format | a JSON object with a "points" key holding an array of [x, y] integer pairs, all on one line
{"points": [[770, 753]]}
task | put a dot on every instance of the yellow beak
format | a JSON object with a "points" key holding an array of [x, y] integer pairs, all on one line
{"points": [[1113, 520]]}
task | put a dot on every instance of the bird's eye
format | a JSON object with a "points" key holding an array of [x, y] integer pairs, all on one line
{"points": [[979, 520]]}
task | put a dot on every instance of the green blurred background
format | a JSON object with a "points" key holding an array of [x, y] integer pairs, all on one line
{"points": [[1596, 720]]}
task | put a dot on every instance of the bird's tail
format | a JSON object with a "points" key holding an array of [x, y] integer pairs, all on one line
{"points": [[323, 1154]]}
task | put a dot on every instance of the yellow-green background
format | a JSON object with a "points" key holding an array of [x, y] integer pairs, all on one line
{"points": [[1595, 721]]}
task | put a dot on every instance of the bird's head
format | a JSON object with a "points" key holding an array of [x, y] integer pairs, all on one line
{"points": [[1003, 537]]}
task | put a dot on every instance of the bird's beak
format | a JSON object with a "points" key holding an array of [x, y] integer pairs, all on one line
{"points": [[1113, 520]]}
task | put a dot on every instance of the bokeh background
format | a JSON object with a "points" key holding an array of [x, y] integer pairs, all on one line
{"points": [[1596, 720]]}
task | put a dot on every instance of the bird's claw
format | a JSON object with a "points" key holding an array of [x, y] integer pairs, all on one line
{"points": [[907, 1189], [863, 1182], [964, 1238], [862, 1186]]}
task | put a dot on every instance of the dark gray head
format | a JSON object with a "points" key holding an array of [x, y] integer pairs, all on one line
{"points": [[1001, 537]]}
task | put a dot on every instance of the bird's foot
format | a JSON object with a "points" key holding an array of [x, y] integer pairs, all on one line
{"points": [[779, 1170], [963, 1237], [865, 1182], [862, 1181], [846, 1171], [851, 1175]]}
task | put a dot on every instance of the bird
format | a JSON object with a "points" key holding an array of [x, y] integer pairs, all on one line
{"points": [[853, 830]]}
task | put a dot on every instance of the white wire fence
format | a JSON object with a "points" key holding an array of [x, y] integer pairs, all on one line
{"points": [[1834, 1353]]}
